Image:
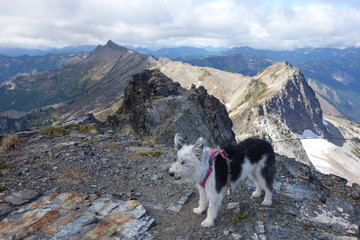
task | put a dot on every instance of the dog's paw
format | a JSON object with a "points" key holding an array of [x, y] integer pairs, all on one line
{"points": [[256, 194], [198, 210], [207, 223], [266, 203]]}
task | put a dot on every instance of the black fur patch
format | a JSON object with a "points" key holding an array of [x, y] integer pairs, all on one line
{"points": [[221, 171], [254, 149]]}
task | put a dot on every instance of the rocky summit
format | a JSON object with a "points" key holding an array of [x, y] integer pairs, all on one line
{"points": [[107, 185], [157, 108]]}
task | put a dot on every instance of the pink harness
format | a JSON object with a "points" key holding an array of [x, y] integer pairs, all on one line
{"points": [[212, 159]]}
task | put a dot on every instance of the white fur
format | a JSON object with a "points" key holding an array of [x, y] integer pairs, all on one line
{"points": [[192, 164]]}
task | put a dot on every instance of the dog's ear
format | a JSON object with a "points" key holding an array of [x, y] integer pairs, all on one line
{"points": [[201, 140], [198, 147], [179, 141]]}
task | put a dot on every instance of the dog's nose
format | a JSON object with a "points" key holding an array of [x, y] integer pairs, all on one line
{"points": [[171, 174]]}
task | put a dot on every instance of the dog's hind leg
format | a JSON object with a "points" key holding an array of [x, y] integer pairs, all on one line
{"points": [[215, 200], [257, 192], [267, 179], [203, 201], [268, 197], [266, 182]]}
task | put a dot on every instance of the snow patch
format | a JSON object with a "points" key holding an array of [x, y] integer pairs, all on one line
{"points": [[307, 134], [325, 122], [329, 158]]}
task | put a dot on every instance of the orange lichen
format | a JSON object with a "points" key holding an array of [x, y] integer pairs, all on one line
{"points": [[54, 226], [109, 225]]}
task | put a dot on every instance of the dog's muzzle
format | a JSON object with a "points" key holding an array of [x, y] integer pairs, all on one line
{"points": [[172, 174]]}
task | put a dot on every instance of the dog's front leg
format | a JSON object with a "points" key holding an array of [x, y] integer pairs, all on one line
{"points": [[214, 204], [203, 201]]}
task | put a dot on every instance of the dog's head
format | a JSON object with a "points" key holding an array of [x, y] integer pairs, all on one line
{"points": [[187, 161]]}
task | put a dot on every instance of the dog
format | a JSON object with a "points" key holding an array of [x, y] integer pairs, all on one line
{"points": [[212, 170]]}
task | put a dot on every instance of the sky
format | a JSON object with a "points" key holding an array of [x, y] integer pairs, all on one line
{"points": [[262, 24]]}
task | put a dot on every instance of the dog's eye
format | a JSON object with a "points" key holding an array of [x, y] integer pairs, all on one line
{"points": [[183, 162]]}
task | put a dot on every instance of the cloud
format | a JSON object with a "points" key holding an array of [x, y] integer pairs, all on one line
{"points": [[257, 23]]}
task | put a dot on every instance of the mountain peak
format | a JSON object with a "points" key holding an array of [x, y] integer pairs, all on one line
{"points": [[111, 44]]}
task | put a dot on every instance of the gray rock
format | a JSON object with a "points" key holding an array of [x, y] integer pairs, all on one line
{"points": [[158, 176], [334, 213], [21, 197], [233, 205], [259, 227], [177, 205], [236, 236], [5, 208], [226, 232]]}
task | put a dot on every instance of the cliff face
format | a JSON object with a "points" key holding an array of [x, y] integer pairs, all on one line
{"points": [[156, 107], [296, 105]]}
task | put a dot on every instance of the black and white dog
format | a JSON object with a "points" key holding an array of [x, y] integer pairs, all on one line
{"points": [[214, 169]]}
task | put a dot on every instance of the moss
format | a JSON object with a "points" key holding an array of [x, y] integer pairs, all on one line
{"points": [[2, 187], [154, 97], [238, 217], [5, 166], [72, 126], [53, 131], [88, 141], [88, 128], [155, 154]]}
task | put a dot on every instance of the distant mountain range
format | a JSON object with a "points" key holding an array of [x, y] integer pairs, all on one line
{"points": [[16, 52], [332, 73], [93, 85], [10, 66]]}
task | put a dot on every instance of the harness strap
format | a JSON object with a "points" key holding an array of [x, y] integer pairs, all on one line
{"points": [[202, 183], [213, 154]]}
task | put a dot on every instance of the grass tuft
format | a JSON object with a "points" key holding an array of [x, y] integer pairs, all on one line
{"points": [[72, 126], [88, 128], [10, 142], [155, 154], [53, 131]]}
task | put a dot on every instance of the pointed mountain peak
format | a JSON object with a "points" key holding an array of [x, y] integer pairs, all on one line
{"points": [[111, 44]]}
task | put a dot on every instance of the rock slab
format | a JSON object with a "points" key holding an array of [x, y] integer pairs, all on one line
{"points": [[73, 215]]}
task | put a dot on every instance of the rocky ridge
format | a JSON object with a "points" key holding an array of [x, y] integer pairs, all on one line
{"points": [[110, 186], [155, 107]]}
